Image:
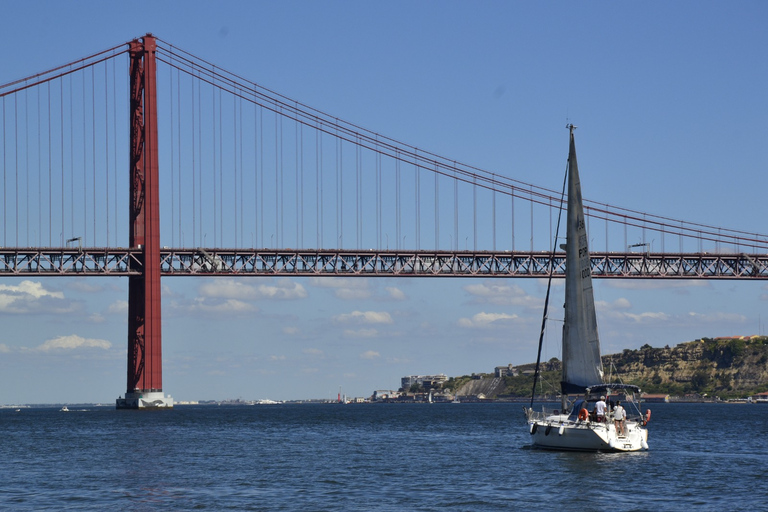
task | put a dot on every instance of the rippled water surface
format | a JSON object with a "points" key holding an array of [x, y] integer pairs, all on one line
{"points": [[384, 457]]}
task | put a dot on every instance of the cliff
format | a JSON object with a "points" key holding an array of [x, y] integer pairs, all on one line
{"points": [[724, 367]]}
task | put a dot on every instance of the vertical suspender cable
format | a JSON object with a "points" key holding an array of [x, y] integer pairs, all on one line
{"points": [[26, 152], [234, 160], [397, 199], [437, 208], [16, 152], [178, 148], [213, 127], [474, 212], [173, 167], [493, 207], [39, 171], [106, 155], [455, 209], [194, 161], [417, 173], [114, 143], [93, 145], [200, 160], [317, 189], [301, 184]]}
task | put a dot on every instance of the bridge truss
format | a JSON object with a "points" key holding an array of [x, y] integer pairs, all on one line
{"points": [[373, 263]]}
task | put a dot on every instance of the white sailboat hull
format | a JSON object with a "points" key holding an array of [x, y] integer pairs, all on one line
{"points": [[557, 433]]}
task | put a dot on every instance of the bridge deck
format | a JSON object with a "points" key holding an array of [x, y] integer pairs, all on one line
{"points": [[290, 262]]}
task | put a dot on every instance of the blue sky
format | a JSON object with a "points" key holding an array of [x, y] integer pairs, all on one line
{"points": [[670, 102]]}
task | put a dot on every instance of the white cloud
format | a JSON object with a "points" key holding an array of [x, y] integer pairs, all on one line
{"points": [[364, 317], [237, 289], [501, 294], [486, 320], [370, 354], [361, 333], [73, 342], [291, 331], [119, 307], [620, 303], [277, 358], [31, 297], [230, 306], [313, 352], [712, 318], [395, 293], [655, 284], [346, 288], [4, 348]]}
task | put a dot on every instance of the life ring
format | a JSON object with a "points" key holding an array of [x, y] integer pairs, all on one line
{"points": [[583, 415], [647, 415]]}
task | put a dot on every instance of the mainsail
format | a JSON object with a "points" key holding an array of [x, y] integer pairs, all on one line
{"points": [[582, 366]]}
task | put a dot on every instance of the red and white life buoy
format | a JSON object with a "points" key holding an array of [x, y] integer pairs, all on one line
{"points": [[647, 415]]}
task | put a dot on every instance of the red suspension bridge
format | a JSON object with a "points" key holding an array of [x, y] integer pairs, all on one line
{"points": [[255, 183]]}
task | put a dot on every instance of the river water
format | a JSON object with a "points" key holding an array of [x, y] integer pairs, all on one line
{"points": [[385, 457]]}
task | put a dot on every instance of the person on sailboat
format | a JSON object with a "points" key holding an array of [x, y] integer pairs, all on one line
{"points": [[600, 407], [619, 415]]}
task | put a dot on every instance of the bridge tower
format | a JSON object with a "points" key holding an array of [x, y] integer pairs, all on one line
{"points": [[145, 364]]}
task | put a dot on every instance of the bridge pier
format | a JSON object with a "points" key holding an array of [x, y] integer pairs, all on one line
{"points": [[145, 364]]}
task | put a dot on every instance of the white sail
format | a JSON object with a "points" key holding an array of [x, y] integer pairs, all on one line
{"points": [[582, 366]]}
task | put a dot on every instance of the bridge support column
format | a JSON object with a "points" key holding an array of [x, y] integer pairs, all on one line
{"points": [[145, 364]]}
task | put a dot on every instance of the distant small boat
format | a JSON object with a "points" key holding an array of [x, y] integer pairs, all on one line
{"points": [[64, 409]]}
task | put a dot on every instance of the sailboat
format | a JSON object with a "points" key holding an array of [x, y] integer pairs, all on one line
{"points": [[573, 426]]}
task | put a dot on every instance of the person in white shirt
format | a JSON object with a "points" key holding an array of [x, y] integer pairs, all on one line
{"points": [[600, 407], [619, 415]]}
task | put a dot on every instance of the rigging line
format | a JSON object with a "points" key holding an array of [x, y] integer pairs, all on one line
{"points": [[549, 287], [4, 179], [43, 73]]}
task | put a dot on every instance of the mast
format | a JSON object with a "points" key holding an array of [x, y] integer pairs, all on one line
{"points": [[582, 366]]}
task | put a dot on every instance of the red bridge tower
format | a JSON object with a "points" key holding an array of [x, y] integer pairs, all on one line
{"points": [[145, 363]]}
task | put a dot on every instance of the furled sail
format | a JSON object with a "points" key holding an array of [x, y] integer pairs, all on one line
{"points": [[582, 366]]}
